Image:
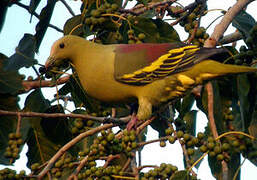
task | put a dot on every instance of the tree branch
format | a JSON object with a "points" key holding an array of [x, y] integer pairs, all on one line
{"points": [[231, 38], [225, 22], [29, 85], [69, 145], [141, 9], [55, 115]]}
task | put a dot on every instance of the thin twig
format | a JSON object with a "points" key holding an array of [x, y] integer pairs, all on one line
{"points": [[137, 11], [79, 167], [55, 115], [29, 85], [110, 158], [37, 16], [146, 166], [70, 144], [152, 141], [68, 7], [18, 123]]}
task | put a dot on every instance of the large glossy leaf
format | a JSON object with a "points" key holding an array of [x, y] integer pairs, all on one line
{"points": [[3, 11], [252, 129], [79, 96], [56, 129], [190, 120], [245, 100], [181, 175], [166, 31], [24, 56], [71, 25], [44, 19], [33, 6], [10, 81], [217, 106], [160, 123], [215, 167], [186, 105], [40, 148], [7, 123], [233, 166], [148, 27], [244, 23]]}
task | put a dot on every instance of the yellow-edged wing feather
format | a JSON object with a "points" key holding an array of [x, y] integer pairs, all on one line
{"points": [[175, 60]]}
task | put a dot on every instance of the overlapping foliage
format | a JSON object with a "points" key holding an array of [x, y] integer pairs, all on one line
{"points": [[235, 105]]}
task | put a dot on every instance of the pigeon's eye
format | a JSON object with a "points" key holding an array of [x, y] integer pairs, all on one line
{"points": [[61, 45]]}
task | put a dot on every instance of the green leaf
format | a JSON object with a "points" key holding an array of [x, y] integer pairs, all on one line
{"points": [[44, 20], [215, 167], [190, 120], [253, 126], [196, 156], [3, 11], [56, 129], [181, 175], [167, 32], [156, 31], [33, 5], [233, 165], [79, 96], [8, 124], [218, 117], [146, 26], [243, 91], [251, 153], [160, 123], [10, 81], [40, 148], [244, 22], [24, 56], [186, 105], [71, 23]]}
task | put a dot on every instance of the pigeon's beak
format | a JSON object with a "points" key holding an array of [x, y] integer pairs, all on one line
{"points": [[49, 62]]}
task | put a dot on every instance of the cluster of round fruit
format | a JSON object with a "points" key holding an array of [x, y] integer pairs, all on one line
{"points": [[63, 162], [96, 19], [251, 41], [227, 112], [162, 172], [249, 53], [230, 145], [9, 174], [128, 141], [14, 143], [81, 125], [133, 39], [103, 145], [190, 23], [101, 173]]}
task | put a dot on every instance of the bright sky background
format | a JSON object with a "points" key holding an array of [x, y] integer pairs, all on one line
{"points": [[17, 23]]}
